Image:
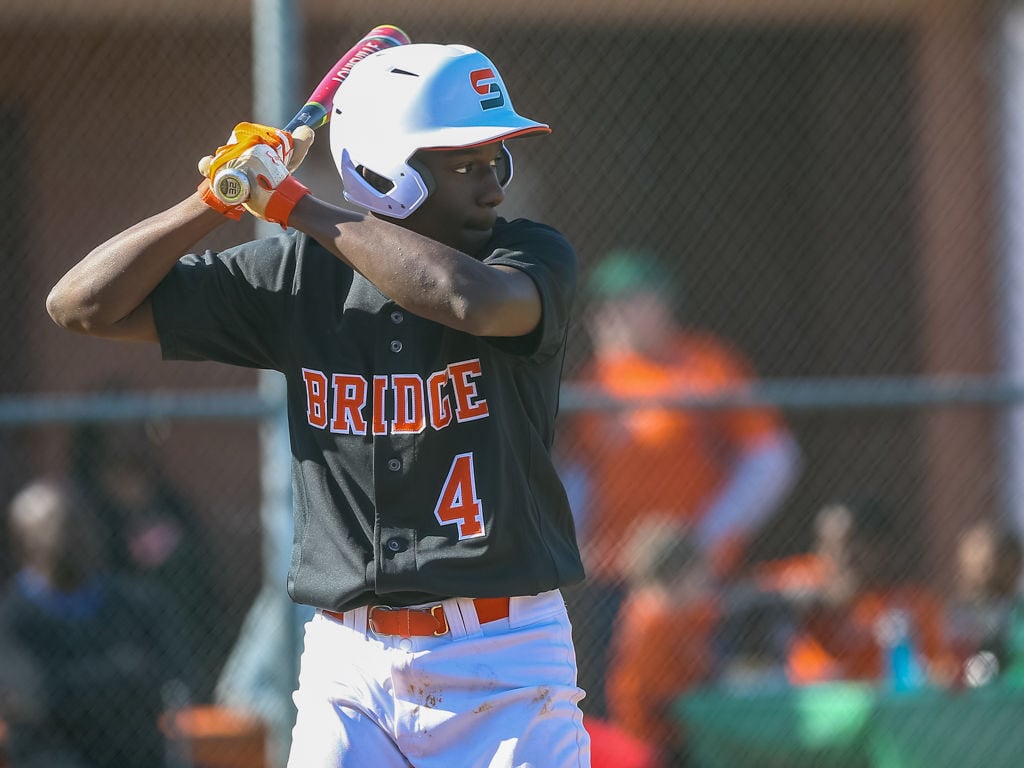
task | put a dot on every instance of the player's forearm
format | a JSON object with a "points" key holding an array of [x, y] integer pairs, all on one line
{"points": [[422, 275], [99, 296], [761, 479]]}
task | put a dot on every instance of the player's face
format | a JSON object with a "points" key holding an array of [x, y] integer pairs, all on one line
{"points": [[461, 210]]}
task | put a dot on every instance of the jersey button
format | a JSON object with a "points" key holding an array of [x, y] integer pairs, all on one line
{"points": [[397, 317], [396, 346], [394, 465], [396, 544]]}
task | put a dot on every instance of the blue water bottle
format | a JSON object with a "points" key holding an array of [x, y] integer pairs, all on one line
{"points": [[896, 637]]}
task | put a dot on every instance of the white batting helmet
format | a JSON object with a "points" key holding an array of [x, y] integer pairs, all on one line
{"points": [[412, 97]]}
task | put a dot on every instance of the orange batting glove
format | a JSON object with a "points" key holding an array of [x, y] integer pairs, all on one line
{"points": [[253, 170]]}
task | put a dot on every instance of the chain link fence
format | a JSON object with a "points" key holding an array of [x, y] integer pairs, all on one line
{"points": [[823, 197]]}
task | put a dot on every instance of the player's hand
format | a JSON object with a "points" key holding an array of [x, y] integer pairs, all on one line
{"points": [[254, 170]]}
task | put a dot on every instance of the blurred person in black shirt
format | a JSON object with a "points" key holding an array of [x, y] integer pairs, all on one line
{"points": [[84, 654], [154, 535], [989, 560]]}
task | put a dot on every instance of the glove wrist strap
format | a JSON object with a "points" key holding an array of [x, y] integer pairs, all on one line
{"points": [[207, 196], [286, 196]]}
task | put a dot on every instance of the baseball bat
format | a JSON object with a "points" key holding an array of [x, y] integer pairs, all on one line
{"points": [[317, 109], [232, 186]]}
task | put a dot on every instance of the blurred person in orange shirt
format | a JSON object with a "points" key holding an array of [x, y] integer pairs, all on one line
{"points": [[724, 472], [846, 591], [663, 642]]}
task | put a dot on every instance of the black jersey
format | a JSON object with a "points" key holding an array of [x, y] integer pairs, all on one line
{"points": [[421, 455]]}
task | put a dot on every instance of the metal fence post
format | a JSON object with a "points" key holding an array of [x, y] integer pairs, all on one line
{"points": [[263, 668]]}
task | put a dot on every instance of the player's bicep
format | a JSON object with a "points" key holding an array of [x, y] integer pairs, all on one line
{"points": [[138, 325], [518, 310]]}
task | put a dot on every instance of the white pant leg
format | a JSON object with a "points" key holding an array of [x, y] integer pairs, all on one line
{"points": [[500, 695], [342, 711]]}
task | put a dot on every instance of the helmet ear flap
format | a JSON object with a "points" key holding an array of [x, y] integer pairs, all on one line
{"points": [[394, 192], [428, 178], [503, 167], [375, 180]]}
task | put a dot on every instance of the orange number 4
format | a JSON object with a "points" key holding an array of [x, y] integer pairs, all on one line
{"points": [[458, 503]]}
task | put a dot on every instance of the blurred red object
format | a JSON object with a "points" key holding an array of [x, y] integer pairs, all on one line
{"points": [[612, 747]]}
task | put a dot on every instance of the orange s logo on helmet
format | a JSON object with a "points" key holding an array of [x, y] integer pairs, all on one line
{"points": [[486, 84]]}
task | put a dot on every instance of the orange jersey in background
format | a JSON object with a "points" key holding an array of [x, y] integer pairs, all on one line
{"points": [[658, 459], [660, 651]]}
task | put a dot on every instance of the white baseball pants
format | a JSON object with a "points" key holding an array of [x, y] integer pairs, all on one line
{"points": [[498, 695]]}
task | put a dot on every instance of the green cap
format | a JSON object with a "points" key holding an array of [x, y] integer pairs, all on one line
{"points": [[626, 271]]}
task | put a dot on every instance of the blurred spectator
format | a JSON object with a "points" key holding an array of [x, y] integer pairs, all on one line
{"points": [[985, 592], [849, 591], [724, 472], [663, 642], [83, 654], [752, 640], [154, 535]]}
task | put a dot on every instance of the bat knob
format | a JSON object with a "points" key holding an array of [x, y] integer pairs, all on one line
{"points": [[231, 186]]}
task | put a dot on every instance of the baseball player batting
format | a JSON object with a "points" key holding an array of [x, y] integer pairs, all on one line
{"points": [[422, 339]]}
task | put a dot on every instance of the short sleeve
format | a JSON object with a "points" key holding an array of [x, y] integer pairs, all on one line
{"points": [[228, 306], [549, 259]]}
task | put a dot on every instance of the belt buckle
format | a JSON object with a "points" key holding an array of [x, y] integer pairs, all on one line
{"points": [[369, 617], [437, 612]]}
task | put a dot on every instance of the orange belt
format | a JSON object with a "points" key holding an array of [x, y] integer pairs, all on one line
{"points": [[425, 622]]}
